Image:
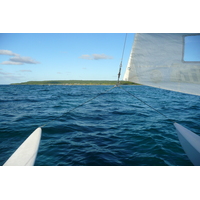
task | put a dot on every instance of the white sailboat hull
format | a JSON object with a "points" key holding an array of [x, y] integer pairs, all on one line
{"points": [[26, 154], [190, 143]]}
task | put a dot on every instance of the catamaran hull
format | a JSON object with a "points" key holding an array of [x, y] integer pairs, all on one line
{"points": [[26, 154], [190, 143]]}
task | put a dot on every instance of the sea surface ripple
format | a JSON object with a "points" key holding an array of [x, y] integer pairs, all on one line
{"points": [[114, 129]]}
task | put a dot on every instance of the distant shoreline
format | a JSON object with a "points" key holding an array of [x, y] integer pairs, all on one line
{"points": [[74, 82]]}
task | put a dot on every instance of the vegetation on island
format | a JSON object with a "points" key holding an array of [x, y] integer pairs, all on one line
{"points": [[74, 82]]}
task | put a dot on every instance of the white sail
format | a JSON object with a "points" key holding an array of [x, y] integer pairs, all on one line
{"points": [[157, 60]]}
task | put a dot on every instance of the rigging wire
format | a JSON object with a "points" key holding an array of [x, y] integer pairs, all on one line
{"points": [[96, 95], [78, 106], [117, 85], [146, 104], [120, 67]]}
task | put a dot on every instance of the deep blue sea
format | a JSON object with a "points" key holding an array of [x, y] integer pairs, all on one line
{"points": [[114, 129]]}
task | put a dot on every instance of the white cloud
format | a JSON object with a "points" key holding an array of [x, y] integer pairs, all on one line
{"points": [[88, 57], [20, 59], [96, 57], [11, 63], [5, 73], [7, 52], [101, 56], [17, 59], [24, 70], [8, 78]]}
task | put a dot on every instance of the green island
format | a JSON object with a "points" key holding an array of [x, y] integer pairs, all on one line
{"points": [[74, 82]]}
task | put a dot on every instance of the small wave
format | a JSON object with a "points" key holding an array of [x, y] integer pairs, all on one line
{"points": [[114, 129]]}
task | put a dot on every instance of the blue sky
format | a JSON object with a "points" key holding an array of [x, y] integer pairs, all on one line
{"points": [[70, 56], [62, 56], [192, 48]]}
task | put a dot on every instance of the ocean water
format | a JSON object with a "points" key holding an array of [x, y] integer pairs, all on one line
{"points": [[114, 129]]}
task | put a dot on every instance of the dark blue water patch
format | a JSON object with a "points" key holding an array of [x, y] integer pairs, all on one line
{"points": [[114, 129]]}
